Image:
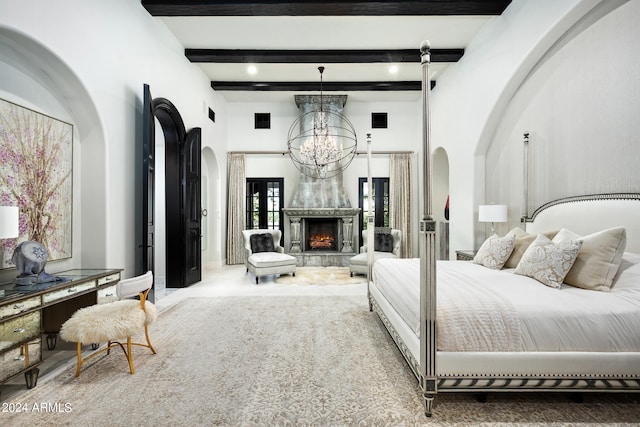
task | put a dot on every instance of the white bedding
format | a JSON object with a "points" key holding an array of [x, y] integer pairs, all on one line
{"points": [[566, 319]]}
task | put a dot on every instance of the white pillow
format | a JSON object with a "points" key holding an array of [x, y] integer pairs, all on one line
{"points": [[548, 262], [598, 259], [495, 251], [523, 240]]}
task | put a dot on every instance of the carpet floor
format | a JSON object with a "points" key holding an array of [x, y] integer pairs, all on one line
{"points": [[281, 361]]}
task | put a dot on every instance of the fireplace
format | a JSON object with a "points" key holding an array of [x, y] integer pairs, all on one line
{"points": [[322, 234], [320, 215]]}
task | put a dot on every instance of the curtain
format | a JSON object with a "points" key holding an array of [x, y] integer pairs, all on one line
{"points": [[400, 200], [236, 199]]}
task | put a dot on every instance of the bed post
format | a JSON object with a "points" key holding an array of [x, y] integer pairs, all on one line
{"points": [[428, 339], [525, 182]]}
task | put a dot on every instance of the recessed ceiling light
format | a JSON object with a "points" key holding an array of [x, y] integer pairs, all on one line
{"points": [[251, 69], [393, 69]]}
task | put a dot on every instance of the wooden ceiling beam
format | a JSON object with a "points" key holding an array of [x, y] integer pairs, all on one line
{"points": [[315, 86], [324, 8], [256, 56]]}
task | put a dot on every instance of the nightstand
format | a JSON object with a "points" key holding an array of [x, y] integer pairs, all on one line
{"points": [[465, 255]]}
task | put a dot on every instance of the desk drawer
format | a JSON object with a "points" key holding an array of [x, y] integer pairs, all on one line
{"points": [[107, 294], [14, 361], [19, 307], [108, 279], [19, 329], [68, 292]]}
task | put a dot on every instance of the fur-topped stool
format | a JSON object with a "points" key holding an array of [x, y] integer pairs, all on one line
{"points": [[114, 321]]}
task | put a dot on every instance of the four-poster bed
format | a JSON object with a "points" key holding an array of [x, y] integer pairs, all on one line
{"points": [[546, 339]]}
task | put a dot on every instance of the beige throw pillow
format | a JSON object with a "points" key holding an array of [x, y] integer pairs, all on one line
{"points": [[548, 262], [494, 251], [598, 260], [523, 240]]}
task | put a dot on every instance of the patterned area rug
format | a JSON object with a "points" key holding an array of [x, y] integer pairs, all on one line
{"points": [[272, 360], [321, 276]]}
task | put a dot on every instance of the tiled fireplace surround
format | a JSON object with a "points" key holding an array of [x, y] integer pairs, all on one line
{"points": [[321, 199]]}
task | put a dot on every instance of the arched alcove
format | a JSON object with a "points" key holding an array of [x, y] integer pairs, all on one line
{"points": [[35, 77], [211, 202], [440, 161]]}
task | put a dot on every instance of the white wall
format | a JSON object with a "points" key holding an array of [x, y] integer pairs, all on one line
{"points": [[70, 53], [469, 100], [581, 105]]}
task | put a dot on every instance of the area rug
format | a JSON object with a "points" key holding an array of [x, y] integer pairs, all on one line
{"points": [[321, 276], [278, 361]]}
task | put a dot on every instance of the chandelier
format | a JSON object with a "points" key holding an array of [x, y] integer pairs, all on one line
{"points": [[322, 142]]}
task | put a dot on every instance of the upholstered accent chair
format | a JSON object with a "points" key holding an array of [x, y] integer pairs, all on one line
{"points": [[386, 245], [263, 254]]}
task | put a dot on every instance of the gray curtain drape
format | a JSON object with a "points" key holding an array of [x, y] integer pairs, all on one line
{"points": [[236, 199], [400, 200]]}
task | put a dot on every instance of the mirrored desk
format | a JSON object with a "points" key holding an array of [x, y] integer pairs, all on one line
{"points": [[29, 312]]}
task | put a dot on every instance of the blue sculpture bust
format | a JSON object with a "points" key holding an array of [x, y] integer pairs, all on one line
{"points": [[30, 259]]}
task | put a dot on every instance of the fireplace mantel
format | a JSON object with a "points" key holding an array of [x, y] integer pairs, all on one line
{"points": [[321, 212]]}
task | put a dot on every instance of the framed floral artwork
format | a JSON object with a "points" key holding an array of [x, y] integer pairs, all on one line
{"points": [[36, 161]]}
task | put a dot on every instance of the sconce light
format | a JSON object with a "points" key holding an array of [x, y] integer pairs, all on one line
{"points": [[492, 214]]}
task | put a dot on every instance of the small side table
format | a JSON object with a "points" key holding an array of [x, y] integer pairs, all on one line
{"points": [[466, 255]]}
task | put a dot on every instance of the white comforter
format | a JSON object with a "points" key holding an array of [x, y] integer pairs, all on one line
{"points": [[566, 319]]}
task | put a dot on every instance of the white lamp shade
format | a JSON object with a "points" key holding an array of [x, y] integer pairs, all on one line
{"points": [[492, 213], [9, 222]]}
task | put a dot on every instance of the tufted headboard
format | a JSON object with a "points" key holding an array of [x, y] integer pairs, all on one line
{"points": [[589, 214]]}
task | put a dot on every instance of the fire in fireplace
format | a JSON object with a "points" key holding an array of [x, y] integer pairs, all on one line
{"points": [[322, 241], [322, 234]]}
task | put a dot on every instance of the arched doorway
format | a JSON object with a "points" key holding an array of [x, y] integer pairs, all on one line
{"points": [[182, 194]]}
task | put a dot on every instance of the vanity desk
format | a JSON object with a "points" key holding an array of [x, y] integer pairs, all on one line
{"points": [[29, 312]]}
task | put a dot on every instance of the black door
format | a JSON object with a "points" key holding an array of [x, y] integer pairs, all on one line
{"points": [[145, 252], [193, 207], [182, 194]]}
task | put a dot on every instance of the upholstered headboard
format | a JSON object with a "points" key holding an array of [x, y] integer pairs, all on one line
{"points": [[589, 214]]}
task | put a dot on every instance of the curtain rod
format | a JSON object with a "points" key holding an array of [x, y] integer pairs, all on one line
{"points": [[284, 153], [385, 152]]}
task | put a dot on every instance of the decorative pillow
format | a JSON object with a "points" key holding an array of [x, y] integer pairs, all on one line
{"points": [[548, 262], [262, 242], [383, 242], [523, 240], [495, 251], [598, 259]]}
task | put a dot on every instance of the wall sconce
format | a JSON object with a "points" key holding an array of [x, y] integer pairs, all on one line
{"points": [[492, 214], [9, 223]]}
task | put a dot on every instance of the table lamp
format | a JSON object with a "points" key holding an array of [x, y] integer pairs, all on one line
{"points": [[492, 214], [9, 224], [9, 227]]}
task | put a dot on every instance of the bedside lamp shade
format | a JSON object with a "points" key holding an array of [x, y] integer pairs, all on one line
{"points": [[9, 224], [492, 214]]}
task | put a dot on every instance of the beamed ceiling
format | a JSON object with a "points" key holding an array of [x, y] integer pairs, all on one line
{"points": [[370, 49]]}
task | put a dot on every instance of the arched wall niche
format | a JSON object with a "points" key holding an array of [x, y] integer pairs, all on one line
{"points": [[35, 77], [440, 162], [212, 202]]}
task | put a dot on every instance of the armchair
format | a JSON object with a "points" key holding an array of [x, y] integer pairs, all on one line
{"points": [[386, 245], [263, 254]]}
